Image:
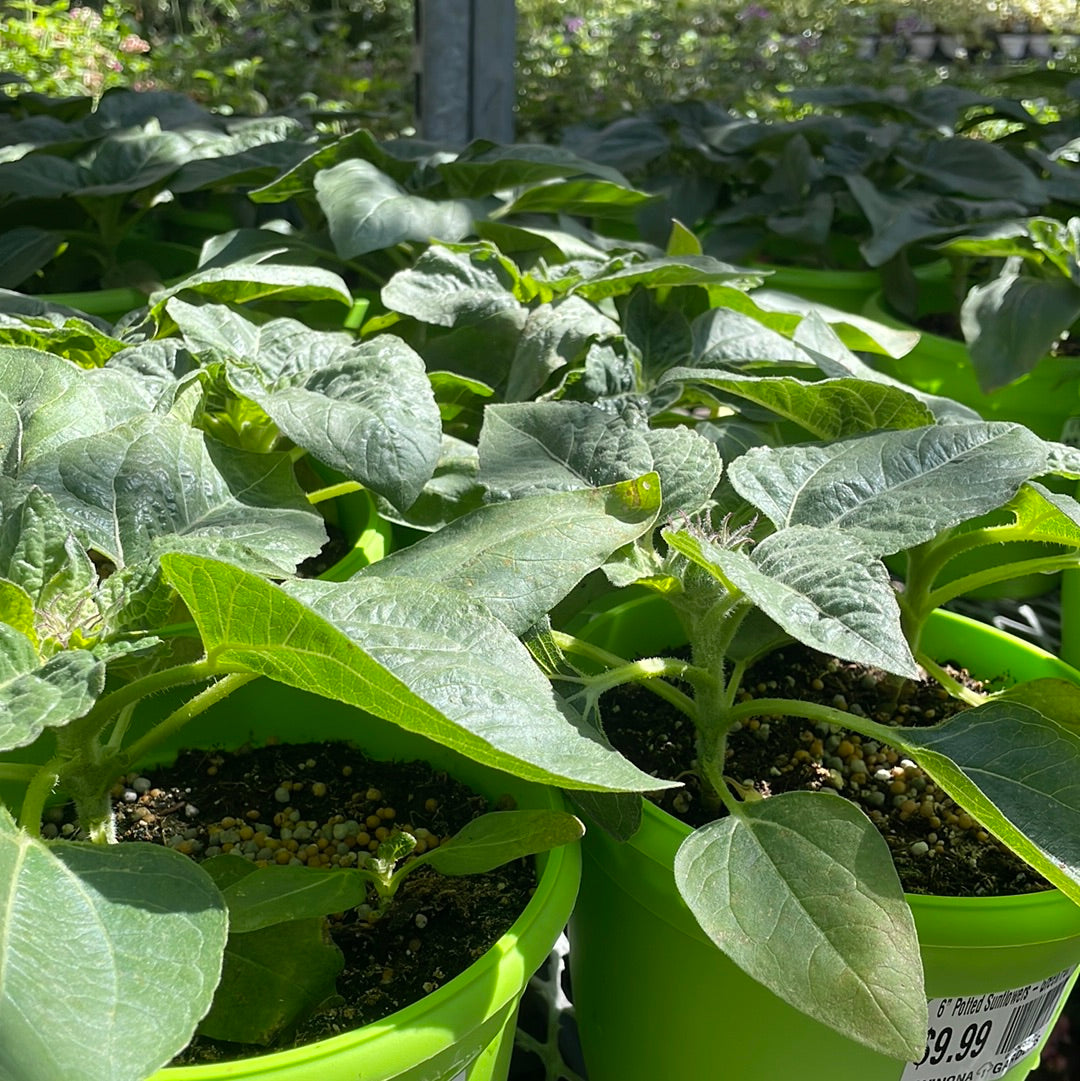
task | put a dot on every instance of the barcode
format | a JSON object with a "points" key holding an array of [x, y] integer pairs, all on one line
{"points": [[1027, 1020]]}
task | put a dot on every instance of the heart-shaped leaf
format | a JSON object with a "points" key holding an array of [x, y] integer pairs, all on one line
{"points": [[112, 900], [367, 211], [800, 891]]}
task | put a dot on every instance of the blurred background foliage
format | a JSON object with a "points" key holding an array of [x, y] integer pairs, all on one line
{"points": [[352, 60]]}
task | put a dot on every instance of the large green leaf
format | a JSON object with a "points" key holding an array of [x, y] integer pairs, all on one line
{"points": [[554, 336], [367, 211], [156, 481], [1011, 322], [77, 339], [36, 696], [89, 934], [419, 655], [800, 891], [622, 274], [592, 198], [892, 489], [366, 409], [454, 286], [976, 169], [522, 557], [822, 586], [26, 250], [530, 447], [484, 167], [827, 408], [244, 282], [1018, 773], [899, 219], [46, 402], [724, 337]]}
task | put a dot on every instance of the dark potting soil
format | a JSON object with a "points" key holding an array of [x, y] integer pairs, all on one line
{"points": [[938, 848], [334, 802]]}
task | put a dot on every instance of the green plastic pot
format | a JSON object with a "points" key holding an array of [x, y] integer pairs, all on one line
{"points": [[464, 1030], [1043, 399], [654, 998], [847, 290]]}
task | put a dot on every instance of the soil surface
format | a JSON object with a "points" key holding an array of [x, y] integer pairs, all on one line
{"points": [[323, 804], [938, 847]]}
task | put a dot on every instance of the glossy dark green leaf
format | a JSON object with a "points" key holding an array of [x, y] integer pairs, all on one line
{"points": [[26, 250], [130, 895], [590, 198], [799, 890], [1011, 322]]}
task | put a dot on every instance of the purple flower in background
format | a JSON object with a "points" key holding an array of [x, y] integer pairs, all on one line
{"points": [[574, 25], [752, 11]]}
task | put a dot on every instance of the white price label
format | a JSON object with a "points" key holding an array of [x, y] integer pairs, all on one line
{"points": [[980, 1037]]}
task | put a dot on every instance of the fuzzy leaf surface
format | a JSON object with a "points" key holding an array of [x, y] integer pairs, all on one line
{"points": [[822, 586], [75, 924], [522, 557], [36, 696], [366, 409], [800, 891], [892, 489]]}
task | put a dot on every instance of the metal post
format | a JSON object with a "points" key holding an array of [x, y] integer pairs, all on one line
{"points": [[465, 70]]}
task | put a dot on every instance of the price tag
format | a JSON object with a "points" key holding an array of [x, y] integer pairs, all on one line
{"points": [[980, 1037]]}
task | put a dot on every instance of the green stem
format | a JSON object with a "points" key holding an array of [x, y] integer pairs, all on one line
{"points": [[333, 491], [44, 781], [176, 720], [123, 722], [976, 580], [89, 727], [953, 686], [811, 711], [682, 702], [645, 670], [18, 771]]}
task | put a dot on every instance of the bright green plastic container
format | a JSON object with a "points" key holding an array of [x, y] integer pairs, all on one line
{"points": [[655, 999], [463, 1031]]}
